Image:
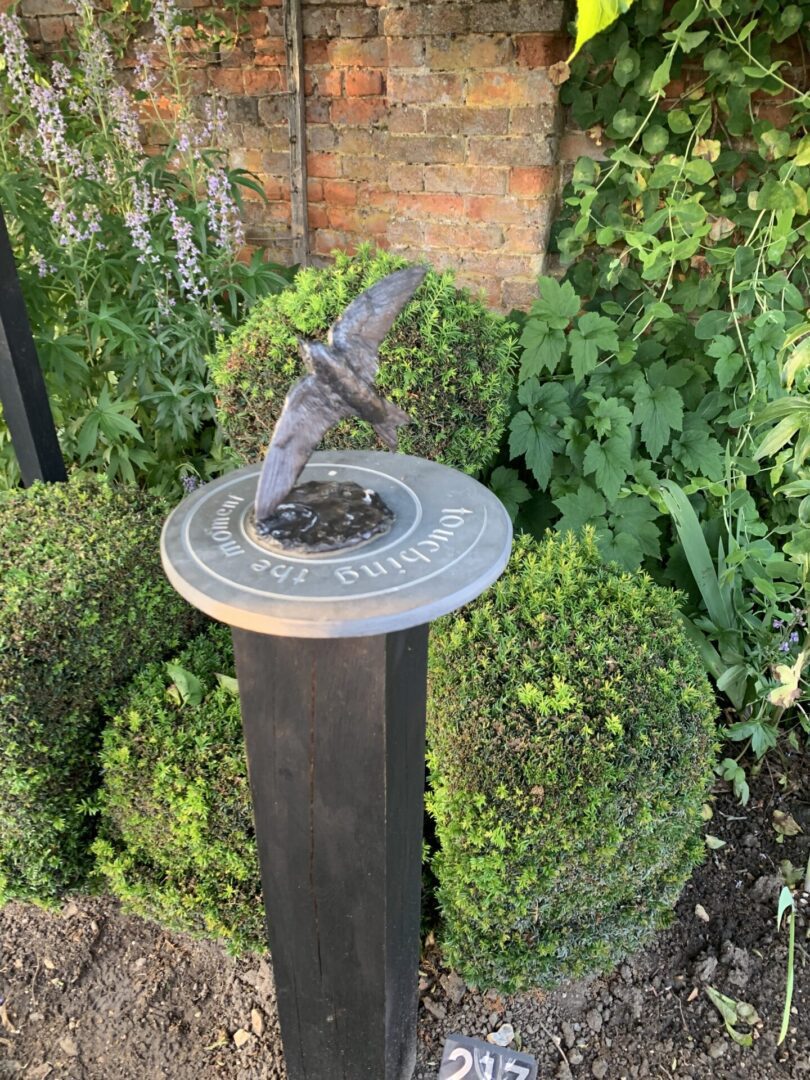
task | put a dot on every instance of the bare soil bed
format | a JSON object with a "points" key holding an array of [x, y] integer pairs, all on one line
{"points": [[93, 994]]}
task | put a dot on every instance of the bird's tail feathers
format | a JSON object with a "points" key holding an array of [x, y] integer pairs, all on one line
{"points": [[387, 430]]}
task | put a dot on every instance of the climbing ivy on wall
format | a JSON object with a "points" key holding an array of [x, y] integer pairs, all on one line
{"points": [[663, 384]]}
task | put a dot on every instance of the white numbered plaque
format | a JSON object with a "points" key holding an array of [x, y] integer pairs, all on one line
{"points": [[472, 1059]]}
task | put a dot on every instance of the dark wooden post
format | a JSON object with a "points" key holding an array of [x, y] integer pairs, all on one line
{"points": [[23, 395], [335, 734]]}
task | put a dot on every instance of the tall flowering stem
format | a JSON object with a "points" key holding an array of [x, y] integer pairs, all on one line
{"points": [[130, 262]]}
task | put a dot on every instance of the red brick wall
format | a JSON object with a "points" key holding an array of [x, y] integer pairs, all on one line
{"points": [[431, 128]]}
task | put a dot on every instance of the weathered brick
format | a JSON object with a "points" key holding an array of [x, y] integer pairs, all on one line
{"points": [[46, 7], [518, 293], [321, 137], [256, 23], [348, 219], [314, 189], [415, 88], [406, 233], [541, 50], [467, 121], [320, 23], [496, 208], [358, 111], [528, 183], [264, 80], [340, 192], [470, 238], [317, 216], [431, 149], [534, 119], [442, 18], [351, 53], [406, 52], [275, 188], [362, 141], [481, 286], [317, 110], [522, 150], [462, 179], [326, 165], [406, 177], [357, 22], [272, 110], [227, 80], [327, 241], [330, 83], [365, 168], [316, 53], [522, 239], [470, 52], [364, 83], [375, 197], [52, 28], [427, 204], [407, 119], [490, 88], [519, 16]]}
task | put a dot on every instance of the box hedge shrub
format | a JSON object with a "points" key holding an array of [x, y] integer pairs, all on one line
{"points": [[447, 361], [571, 743], [84, 605], [176, 841]]}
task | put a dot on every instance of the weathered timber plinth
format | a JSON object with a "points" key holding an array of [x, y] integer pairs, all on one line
{"points": [[331, 656]]}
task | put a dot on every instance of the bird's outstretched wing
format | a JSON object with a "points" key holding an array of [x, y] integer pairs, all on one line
{"points": [[307, 415], [365, 322]]}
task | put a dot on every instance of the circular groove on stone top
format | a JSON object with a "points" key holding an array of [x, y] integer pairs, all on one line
{"points": [[451, 539]]}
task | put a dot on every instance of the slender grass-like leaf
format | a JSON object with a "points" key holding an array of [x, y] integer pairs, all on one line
{"points": [[786, 904], [697, 554]]}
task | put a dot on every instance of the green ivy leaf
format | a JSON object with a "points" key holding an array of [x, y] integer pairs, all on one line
{"points": [[535, 436], [711, 324], [698, 451], [543, 348], [509, 488], [557, 304], [591, 334], [727, 361], [636, 516], [582, 507], [610, 462], [658, 411]]}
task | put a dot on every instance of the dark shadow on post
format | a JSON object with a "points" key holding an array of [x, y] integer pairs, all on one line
{"points": [[23, 395]]}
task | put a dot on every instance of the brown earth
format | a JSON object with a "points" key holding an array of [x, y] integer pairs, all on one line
{"points": [[94, 994]]}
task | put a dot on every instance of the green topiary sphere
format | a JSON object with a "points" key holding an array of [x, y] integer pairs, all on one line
{"points": [[176, 841], [85, 604], [571, 743], [447, 361]]}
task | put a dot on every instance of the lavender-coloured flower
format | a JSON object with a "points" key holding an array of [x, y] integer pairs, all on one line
{"points": [[223, 213], [145, 203], [192, 279], [145, 78], [190, 483], [784, 647], [794, 637], [166, 20], [14, 50], [778, 624], [212, 131]]}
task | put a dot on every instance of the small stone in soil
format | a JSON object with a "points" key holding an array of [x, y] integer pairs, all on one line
{"points": [[717, 1048], [241, 1037], [594, 1019], [599, 1068]]}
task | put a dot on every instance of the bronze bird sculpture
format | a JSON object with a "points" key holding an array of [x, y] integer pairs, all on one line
{"points": [[340, 384]]}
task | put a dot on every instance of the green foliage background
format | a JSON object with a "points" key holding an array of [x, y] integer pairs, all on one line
{"points": [[447, 361], [570, 738], [85, 605], [662, 392]]}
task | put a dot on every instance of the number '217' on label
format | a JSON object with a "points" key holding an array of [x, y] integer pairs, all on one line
{"points": [[472, 1059]]}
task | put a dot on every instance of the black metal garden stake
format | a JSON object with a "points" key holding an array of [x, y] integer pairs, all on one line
{"points": [[23, 395]]}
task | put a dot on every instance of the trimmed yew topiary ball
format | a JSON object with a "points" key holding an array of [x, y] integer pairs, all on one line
{"points": [[176, 841], [571, 743], [447, 361]]}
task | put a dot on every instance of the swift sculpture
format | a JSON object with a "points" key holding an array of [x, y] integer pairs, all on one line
{"points": [[321, 516]]}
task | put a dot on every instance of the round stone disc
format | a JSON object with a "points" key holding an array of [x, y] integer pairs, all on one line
{"points": [[451, 539]]}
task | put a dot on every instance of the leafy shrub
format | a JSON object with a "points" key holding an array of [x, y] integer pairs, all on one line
{"points": [[128, 261], [667, 355], [176, 842], [447, 361], [570, 748], [85, 604]]}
